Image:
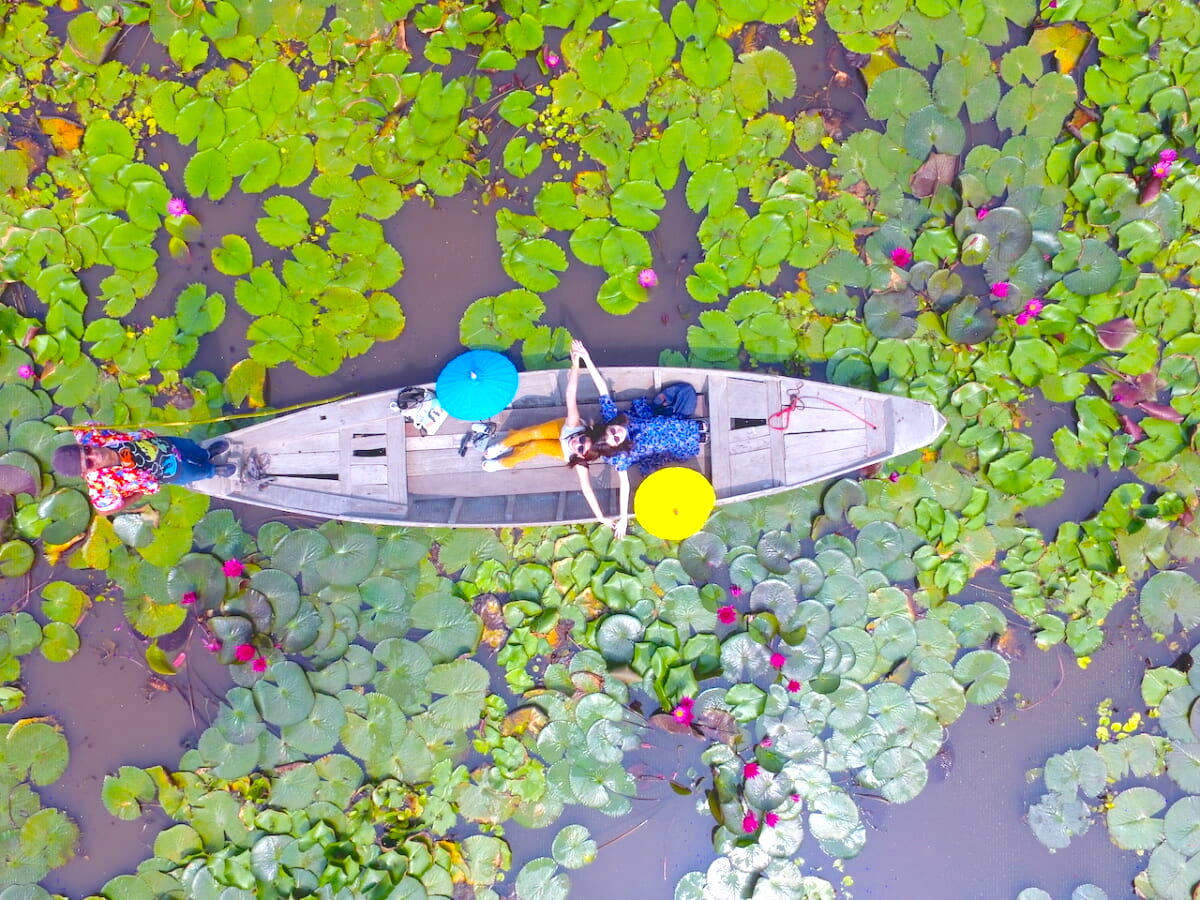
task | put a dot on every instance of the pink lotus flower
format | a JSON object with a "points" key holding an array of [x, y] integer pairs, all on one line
{"points": [[244, 652], [683, 713], [777, 660], [750, 823], [259, 664], [1161, 169], [189, 598], [233, 568], [772, 819], [552, 58], [735, 592], [177, 207], [794, 686], [648, 278], [901, 256], [212, 645], [25, 371], [727, 614], [1000, 289], [1031, 310], [751, 770], [1168, 156]]}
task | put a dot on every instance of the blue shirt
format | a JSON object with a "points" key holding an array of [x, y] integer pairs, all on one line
{"points": [[657, 440]]}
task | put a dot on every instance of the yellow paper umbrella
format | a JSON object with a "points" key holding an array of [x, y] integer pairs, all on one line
{"points": [[674, 503]]}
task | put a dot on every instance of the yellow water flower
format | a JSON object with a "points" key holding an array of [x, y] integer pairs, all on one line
{"points": [[1084, 661]]}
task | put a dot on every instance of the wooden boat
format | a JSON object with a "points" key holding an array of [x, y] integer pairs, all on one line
{"points": [[359, 460]]}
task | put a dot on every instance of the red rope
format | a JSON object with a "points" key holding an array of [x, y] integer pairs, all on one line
{"points": [[785, 412], [797, 402]]}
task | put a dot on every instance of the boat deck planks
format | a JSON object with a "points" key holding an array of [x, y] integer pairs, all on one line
{"points": [[357, 459]]}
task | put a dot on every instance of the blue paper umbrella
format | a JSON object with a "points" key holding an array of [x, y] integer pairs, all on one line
{"points": [[477, 385]]}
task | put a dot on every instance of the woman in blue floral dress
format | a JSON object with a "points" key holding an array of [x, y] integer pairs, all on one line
{"points": [[640, 436]]}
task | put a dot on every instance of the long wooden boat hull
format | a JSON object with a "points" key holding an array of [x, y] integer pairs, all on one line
{"points": [[359, 460]]}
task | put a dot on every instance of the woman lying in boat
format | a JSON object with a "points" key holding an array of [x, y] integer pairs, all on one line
{"points": [[652, 439], [570, 439]]}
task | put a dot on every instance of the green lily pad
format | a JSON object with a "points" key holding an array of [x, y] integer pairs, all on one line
{"points": [[1056, 818], [984, 674], [126, 793], [283, 695], [1097, 269], [1131, 819], [1169, 597], [1008, 231], [970, 322]]}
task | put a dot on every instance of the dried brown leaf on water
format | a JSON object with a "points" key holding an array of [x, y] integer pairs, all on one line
{"points": [[529, 719], [1066, 40], [670, 724], [487, 607], [938, 169], [718, 725], [1117, 334], [1163, 411]]}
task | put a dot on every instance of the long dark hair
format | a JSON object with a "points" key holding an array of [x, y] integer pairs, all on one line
{"points": [[598, 448]]}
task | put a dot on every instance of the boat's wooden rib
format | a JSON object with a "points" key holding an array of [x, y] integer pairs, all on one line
{"points": [[359, 460]]}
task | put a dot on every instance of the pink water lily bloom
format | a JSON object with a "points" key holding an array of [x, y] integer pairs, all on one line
{"points": [[893, 477], [751, 770], [1161, 169], [189, 598], [177, 207], [25, 371], [1000, 289], [244, 652], [1168, 155], [794, 686], [259, 664], [648, 278], [212, 645], [233, 568], [772, 819], [683, 713], [982, 213], [750, 823], [901, 256], [1029, 311], [552, 58], [735, 591], [727, 614], [777, 660], [766, 742]]}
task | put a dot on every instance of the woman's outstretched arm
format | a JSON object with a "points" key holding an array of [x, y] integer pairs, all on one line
{"points": [[572, 392], [622, 524], [585, 485], [597, 378]]}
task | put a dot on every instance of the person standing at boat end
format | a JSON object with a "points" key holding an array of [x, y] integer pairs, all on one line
{"points": [[120, 466]]}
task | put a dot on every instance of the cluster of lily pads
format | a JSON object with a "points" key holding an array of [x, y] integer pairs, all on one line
{"points": [[1080, 783], [818, 644]]}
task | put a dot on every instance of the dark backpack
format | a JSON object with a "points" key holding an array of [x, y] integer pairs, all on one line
{"points": [[676, 399]]}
